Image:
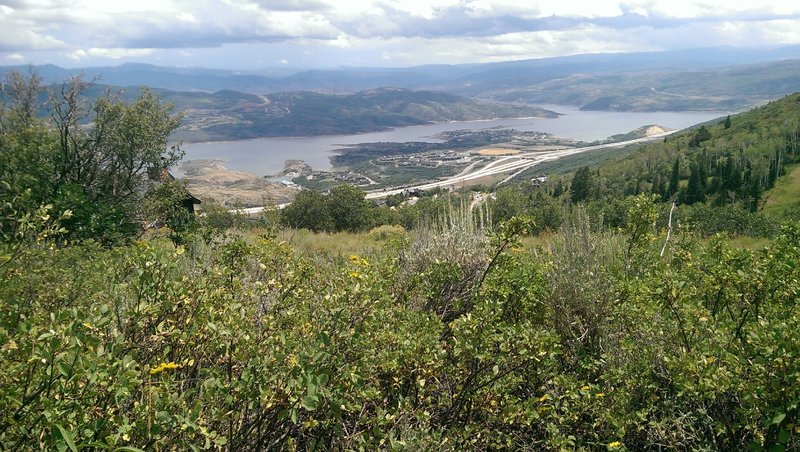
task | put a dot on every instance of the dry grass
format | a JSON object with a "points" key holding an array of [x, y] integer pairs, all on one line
{"points": [[498, 151]]}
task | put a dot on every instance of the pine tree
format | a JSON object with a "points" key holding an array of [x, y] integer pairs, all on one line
{"points": [[728, 122], [674, 180], [581, 187], [694, 191]]}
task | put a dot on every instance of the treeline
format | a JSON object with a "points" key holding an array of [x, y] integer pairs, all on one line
{"points": [[732, 162]]}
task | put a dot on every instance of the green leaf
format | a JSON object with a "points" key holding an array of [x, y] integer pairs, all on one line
{"points": [[784, 436], [309, 403], [778, 418], [64, 369], [293, 415], [67, 438], [128, 449]]}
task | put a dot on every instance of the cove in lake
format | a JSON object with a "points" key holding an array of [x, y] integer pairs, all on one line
{"points": [[267, 155]]}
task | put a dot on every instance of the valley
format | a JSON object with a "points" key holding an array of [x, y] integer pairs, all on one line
{"points": [[401, 226]]}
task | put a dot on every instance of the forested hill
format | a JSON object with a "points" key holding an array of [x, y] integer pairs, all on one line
{"points": [[232, 115], [732, 161], [721, 175]]}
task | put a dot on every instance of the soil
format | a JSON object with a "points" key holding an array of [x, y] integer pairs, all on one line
{"points": [[210, 179]]}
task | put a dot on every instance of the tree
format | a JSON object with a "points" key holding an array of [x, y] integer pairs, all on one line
{"points": [[728, 122], [694, 191], [21, 94], [127, 141], [731, 179], [348, 209], [674, 179], [510, 201], [91, 157], [308, 211], [581, 187], [702, 134]]}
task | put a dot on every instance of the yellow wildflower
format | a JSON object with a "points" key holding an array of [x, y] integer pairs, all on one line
{"points": [[164, 366], [600, 395], [614, 445]]}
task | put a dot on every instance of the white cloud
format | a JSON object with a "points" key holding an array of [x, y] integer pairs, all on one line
{"points": [[114, 54], [15, 57], [411, 31]]}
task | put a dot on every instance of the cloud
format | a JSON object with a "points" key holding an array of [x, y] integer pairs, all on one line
{"points": [[114, 54], [390, 30], [15, 57]]}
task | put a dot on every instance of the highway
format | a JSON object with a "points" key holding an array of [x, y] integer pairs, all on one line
{"points": [[514, 164]]}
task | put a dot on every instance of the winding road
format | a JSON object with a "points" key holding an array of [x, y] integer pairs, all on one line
{"points": [[514, 164]]}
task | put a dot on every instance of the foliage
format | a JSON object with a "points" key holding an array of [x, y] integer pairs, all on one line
{"points": [[581, 187], [96, 171], [454, 338], [165, 204]]}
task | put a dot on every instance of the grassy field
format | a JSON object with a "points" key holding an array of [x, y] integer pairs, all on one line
{"points": [[786, 194], [498, 151], [308, 243]]}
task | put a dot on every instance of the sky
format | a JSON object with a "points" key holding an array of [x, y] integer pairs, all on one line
{"points": [[258, 34]]}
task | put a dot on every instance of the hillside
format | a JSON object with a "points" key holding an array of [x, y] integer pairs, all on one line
{"points": [[734, 162], [229, 115], [721, 89]]}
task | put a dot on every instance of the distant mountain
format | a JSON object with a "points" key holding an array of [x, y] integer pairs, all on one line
{"points": [[228, 115], [721, 89], [471, 80]]}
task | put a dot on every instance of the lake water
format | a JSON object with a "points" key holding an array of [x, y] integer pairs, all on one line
{"points": [[266, 155]]}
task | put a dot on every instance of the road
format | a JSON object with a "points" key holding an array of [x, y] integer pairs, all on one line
{"points": [[514, 164]]}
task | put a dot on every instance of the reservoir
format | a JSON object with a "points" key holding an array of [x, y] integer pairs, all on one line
{"points": [[264, 156]]}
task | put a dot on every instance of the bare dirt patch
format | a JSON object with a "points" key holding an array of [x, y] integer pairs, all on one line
{"points": [[210, 179], [654, 130], [498, 151]]}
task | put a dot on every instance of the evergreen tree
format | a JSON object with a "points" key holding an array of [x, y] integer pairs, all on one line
{"points": [[694, 191], [674, 180], [581, 187], [559, 190], [658, 186], [728, 122]]}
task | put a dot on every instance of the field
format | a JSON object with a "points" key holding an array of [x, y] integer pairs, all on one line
{"points": [[498, 151]]}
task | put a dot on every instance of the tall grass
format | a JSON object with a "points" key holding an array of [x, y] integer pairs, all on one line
{"points": [[581, 281], [446, 257]]}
